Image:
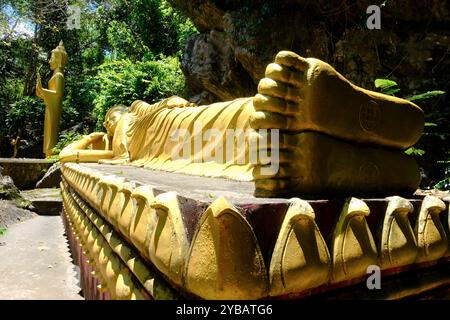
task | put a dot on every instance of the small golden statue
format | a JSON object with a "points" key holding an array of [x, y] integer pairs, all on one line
{"points": [[53, 97], [332, 136]]}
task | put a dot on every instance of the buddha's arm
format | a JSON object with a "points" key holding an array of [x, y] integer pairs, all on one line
{"points": [[78, 151], [48, 95], [142, 108]]}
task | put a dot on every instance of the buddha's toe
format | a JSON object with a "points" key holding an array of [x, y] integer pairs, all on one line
{"points": [[272, 120], [267, 103], [279, 89], [276, 106], [280, 94], [291, 59], [284, 74]]}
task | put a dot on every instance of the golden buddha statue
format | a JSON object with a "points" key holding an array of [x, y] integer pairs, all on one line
{"points": [[308, 130], [53, 97]]}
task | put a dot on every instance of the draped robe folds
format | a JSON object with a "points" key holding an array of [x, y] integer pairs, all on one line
{"points": [[53, 108], [180, 139]]}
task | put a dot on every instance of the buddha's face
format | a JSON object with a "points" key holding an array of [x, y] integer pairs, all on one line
{"points": [[58, 59], [111, 122], [54, 61]]}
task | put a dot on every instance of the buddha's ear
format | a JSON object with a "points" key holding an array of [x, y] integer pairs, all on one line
{"points": [[111, 121]]}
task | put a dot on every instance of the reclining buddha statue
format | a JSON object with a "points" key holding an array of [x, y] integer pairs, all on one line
{"points": [[307, 131]]}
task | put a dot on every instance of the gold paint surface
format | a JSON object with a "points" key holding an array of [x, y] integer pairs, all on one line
{"points": [[225, 261], [431, 238], [353, 244], [53, 97], [300, 258], [398, 245]]}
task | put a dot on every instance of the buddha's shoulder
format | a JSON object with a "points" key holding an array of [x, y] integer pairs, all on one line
{"points": [[175, 101], [57, 76]]}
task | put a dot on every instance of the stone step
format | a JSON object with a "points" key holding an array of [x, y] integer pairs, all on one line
{"points": [[44, 201]]}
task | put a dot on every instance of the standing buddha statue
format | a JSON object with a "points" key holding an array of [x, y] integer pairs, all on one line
{"points": [[53, 97]]}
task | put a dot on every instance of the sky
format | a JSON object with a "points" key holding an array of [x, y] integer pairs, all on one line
{"points": [[24, 26], [8, 18]]}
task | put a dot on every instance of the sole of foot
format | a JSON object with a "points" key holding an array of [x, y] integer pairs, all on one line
{"points": [[301, 94]]}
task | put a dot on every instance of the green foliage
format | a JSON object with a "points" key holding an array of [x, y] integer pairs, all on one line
{"points": [[390, 87], [426, 95], [386, 86], [139, 28], [25, 111], [2, 231], [64, 140], [122, 42], [432, 146], [130, 31], [122, 82], [443, 184], [25, 118], [415, 151], [13, 65]]}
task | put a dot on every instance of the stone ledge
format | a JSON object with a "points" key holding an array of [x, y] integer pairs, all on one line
{"points": [[25, 172]]}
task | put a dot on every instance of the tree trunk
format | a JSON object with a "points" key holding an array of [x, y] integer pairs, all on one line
{"points": [[30, 76]]}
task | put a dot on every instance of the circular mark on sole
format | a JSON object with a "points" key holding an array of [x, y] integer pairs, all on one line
{"points": [[369, 116], [369, 172]]}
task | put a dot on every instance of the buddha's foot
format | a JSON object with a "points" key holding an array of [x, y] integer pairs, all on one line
{"points": [[314, 164], [301, 94]]}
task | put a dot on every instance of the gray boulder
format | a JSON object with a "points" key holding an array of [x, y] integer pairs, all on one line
{"points": [[8, 191], [52, 177]]}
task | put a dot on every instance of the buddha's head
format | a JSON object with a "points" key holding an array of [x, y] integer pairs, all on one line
{"points": [[112, 117], [59, 57]]}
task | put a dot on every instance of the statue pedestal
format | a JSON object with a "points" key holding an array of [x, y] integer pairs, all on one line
{"points": [[165, 235]]}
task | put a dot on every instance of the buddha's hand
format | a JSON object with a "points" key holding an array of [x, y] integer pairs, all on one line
{"points": [[280, 93], [95, 136], [39, 89]]}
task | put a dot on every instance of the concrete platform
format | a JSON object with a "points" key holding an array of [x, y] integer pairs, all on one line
{"points": [[264, 214], [222, 224]]}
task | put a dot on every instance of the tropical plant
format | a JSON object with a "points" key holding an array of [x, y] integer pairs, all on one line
{"points": [[124, 81], [133, 32], [64, 140], [24, 120], [436, 131]]}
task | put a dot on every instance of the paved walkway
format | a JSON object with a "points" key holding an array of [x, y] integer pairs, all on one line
{"points": [[35, 262]]}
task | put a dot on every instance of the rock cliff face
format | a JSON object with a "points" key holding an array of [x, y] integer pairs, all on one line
{"points": [[239, 38]]}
